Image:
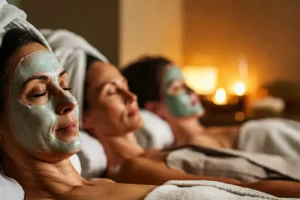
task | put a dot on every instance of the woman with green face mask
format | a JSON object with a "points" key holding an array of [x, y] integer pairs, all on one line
{"points": [[109, 113], [161, 89]]}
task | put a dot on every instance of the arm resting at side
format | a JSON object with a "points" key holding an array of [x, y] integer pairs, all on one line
{"points": [[153, 172], [279, 188]]}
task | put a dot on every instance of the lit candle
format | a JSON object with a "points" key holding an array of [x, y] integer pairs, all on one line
{"points": [[239, 89], [220, 97]]}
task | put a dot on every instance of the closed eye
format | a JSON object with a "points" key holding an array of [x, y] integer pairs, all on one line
{"points": [[38, 95], [67, 89]]}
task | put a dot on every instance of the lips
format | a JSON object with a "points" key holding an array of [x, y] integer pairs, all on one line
{"points": [[133, 111], [71, 127]]}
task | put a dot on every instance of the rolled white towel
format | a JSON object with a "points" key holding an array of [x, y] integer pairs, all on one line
{"points": [[156, 133], [206, 190]]}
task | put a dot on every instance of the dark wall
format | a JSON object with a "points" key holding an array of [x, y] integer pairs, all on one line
{"points": [[265, 32], [95, 20]]}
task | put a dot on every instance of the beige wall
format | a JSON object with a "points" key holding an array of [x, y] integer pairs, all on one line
{"points": [[150, 27], [95, 20], [265, 32]]}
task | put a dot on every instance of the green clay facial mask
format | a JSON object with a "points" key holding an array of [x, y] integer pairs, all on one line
{"points": [[181, 104], [33, 125]]}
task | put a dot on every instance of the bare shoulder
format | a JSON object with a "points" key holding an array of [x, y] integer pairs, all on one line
{"points": [[140, 170], [217, 137], [106, 189], [143, 163]]}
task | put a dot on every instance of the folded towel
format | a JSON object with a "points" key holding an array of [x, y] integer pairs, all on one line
{"points": [[92, 157], [156, 133], [206, 190], [271, 136], [71, 50], [244, 166], [12, 17]]}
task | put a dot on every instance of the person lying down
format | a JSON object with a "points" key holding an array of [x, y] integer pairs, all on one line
{"points": [[162, 90], [110, 114], [39, 124]]}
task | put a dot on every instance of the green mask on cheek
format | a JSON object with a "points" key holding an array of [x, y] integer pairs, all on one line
{"points": [[180, 105], [33, 125]]}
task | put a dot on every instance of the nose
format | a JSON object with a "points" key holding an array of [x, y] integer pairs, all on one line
{"points": [[129, 97], [66, 103], [65, 106]]}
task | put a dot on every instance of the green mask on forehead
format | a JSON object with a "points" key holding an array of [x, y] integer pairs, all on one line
{"points": [[180, 105], [33, 125]]}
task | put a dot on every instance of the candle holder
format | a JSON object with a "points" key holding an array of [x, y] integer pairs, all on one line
{"points": [[231, 113], [234, 103]]}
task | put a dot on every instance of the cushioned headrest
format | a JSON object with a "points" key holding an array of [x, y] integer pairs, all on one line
{"points": [[92, 157], [156, 132]]}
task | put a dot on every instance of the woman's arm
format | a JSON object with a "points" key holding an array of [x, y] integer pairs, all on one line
{"points": [[154, 172], [144, 171], [277, 188]]}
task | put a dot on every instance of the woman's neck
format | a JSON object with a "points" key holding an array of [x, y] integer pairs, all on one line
{"points": [[40, 179], [119, 148], [185, 129]]}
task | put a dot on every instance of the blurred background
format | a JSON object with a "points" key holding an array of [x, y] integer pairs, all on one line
{"points": [[227, 48]]}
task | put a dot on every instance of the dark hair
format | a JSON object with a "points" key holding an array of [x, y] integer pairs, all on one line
{"points": [[145, 77], [12, 40], [89, 61]]}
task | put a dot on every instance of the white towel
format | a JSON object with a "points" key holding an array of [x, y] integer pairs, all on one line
{"points": [[205, 190], [70, 50], [12, 17], [92, 157], [156, 133], [10, 189], [271, 136]]}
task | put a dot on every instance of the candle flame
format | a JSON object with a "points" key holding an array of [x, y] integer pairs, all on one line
{"points": [[239, 88], [220, 97]]}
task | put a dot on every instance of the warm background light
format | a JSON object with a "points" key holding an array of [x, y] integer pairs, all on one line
{"points": [[239, 88], [220, 97], [203, 80]]}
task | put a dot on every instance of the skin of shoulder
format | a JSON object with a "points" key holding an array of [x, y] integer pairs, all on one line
{"points": [[107, 189], [142, 170]]}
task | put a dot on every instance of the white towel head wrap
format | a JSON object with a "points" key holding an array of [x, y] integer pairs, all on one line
{"points": [[12, 17], [71, 50]]}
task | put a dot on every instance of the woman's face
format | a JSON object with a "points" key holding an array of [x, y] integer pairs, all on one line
{"points": [[40, 112], [113, 109], [178, 99]]}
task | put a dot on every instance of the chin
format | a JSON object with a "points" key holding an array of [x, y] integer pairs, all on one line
{"points": [[139, 124], [134, 127]]}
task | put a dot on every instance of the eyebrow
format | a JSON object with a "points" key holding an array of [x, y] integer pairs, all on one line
{"points": [[109, 82], [42, 77]]}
